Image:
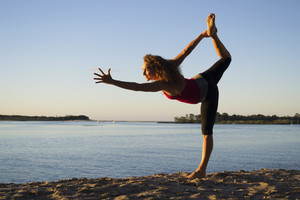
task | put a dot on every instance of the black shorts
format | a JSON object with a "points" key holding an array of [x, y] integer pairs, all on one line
{"points": [[210, 105]]}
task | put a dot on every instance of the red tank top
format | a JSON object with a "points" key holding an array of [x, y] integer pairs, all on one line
{"points": [[190, 93]]}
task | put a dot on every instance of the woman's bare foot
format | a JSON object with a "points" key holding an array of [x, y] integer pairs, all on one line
{"points": [[196, 174], [211, 27]]}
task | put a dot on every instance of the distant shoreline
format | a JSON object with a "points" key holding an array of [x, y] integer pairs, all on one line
{"points": [[240, 119], [230, 123], [183, 120], [43, 118]]}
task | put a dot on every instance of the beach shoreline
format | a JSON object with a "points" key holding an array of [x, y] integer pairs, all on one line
{"points": [[258, 184]]}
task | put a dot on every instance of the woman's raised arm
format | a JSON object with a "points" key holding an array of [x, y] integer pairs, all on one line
{"points": [[188, 49]]}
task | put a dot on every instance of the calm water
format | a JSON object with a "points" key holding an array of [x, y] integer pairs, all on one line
{"points": [[49, 151]]}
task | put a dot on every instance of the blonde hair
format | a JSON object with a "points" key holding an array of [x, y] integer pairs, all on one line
{"points": [[164, 69]]}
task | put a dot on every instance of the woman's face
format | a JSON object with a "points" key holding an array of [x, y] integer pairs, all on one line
{"points": [[148, 72]]}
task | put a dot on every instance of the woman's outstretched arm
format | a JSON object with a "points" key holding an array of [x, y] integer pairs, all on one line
{"points": [[188, 49], [145, 87]]}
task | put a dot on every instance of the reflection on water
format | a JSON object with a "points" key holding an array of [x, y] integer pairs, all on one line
{"points": [[46, 151]]}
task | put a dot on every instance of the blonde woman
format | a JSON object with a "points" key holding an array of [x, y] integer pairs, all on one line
{"points": [[165, 76]]}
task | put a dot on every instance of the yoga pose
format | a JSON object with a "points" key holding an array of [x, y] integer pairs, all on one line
{"points": [[165, 76]]}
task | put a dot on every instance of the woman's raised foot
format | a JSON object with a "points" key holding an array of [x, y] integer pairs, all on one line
{"points": [[211, 27]]}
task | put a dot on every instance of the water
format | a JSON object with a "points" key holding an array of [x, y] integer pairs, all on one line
{"points": [[50, 151]]}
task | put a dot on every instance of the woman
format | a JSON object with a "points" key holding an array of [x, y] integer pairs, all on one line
{"points": [[165, 76]]}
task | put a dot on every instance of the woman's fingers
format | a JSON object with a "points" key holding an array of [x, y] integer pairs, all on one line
{"points": [[101, 71], [102, 78], [97, 74]]}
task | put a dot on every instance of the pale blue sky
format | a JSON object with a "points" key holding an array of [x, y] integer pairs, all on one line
{"points": [[50, 49]]}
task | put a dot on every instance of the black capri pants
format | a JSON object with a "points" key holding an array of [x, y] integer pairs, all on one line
{"points": [[210, 105]]}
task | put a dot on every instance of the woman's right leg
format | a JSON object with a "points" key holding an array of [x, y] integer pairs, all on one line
{"points": [[219, 47], [212, 32], [216, 71]]}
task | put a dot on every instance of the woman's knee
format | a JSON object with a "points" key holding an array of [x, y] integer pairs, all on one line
{"points": [[208, 117], [206, 129]]}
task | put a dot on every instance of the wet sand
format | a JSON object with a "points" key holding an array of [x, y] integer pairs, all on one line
{"points": [[259, 184]]}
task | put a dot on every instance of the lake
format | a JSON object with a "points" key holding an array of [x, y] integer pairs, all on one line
{"points": [[50, 151]]}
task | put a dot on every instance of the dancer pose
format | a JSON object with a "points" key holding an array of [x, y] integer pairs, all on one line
{"points": [[165, 76]]}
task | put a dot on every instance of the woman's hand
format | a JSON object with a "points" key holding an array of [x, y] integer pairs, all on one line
{"points": [[104, 78], [205, 34]]}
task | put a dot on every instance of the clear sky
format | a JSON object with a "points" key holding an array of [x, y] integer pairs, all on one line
{"points": [[50, 49]]}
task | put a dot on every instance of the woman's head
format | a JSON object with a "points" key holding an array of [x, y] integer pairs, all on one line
{"points": [[158, 68]]}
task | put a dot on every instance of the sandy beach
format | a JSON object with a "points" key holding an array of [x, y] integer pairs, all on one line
{"points": [[259, 184]]}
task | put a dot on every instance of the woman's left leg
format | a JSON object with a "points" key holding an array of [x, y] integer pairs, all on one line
{"points": [[208, 115], [207, 148]]}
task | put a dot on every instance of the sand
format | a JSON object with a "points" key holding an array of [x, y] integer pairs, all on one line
{"points": [[259, 184]]}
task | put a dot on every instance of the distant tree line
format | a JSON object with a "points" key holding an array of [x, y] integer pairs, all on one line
{"points": [[240, 119], [41, 118]]}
